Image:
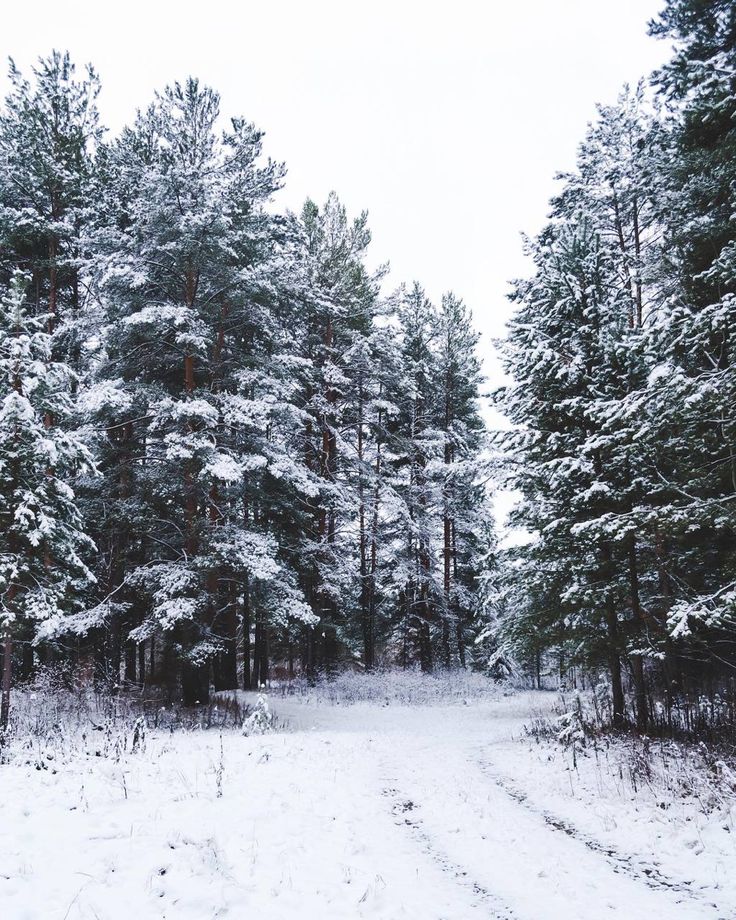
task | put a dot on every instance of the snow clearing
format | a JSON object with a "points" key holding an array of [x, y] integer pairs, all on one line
{"points": [[442, 810]]}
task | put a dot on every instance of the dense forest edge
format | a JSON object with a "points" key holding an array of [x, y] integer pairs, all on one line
{"points": [[228, 457]]}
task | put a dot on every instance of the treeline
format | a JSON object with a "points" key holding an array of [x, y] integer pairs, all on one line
{"points": [[623, 353], [220, 447]]}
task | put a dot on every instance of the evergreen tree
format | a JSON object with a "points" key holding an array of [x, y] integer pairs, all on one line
{"points": [[190, 283], [693, 382], [49, 130], [42, 544], [340, 309], [278, 470]]}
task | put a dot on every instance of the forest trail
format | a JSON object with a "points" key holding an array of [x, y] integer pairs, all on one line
{"points": [[499, 857], [368, 810]]}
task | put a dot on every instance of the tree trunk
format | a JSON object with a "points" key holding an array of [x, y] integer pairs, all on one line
{"points": [[227, 661], [365, 600], [130, 662], [7, 675], [265, 675], [458, 617], [53, 289], [446, 519], [637, 661], [141, 664], [257, 654], [446, 562], [114, 654], [247, 685], [614, 665], [327, 523], [27, 659]]}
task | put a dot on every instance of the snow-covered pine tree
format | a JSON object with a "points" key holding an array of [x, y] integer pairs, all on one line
{"points": [[615, 187], [419, 446], [49, 130], [466, 510], [376, 372], [266, 437], [48, 134], [633, 430], [340, 309], [693, 381], [190, 283], [43, 575], [562, 351]]}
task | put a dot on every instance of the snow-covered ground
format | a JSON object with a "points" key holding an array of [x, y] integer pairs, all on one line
{"points": [[374, 809]]}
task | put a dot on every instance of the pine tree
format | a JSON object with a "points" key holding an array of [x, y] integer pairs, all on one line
{"points": [[49, 130], [341, 305], [277, 470], [420, 446], [562, 349], [191, 286], [465, 506], [42, 544], [693, 382]]}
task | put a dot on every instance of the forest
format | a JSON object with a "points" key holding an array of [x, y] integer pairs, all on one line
{"points": [[318, 598], [622, 355], [228, 455], [223, 451]]}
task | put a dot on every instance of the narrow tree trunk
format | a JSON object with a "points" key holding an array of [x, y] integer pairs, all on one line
{"points": [[53, 290], [247, 685], [114, 655], [371, 624], [228, 663], [637, 250], [27, 659], [460, 633], [264, 669], [446, 561], [257, 654], [327, 523], [625, 253], [446, 519], [195, 677], [637, 661], [311, 655], [365, 600], [141, 664], [190, 510], [7, 676], [130, 662], [614, 665]]}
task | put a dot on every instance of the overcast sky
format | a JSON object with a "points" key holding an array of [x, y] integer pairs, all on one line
{"points": [[447, 121]]}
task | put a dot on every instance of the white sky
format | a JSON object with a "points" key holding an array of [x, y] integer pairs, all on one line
{"points": [[446, 120]]}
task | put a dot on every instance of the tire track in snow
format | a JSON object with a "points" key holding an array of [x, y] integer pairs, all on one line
{"points": [[637, 869], [401, 807]]}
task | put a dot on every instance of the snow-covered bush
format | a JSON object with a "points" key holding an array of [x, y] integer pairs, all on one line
{"points": [[260, 719]]}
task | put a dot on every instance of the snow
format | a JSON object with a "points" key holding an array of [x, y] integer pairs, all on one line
{"points": [[441, 811]]}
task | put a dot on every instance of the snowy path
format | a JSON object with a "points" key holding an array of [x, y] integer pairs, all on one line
{"points": [[354, 811]]}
